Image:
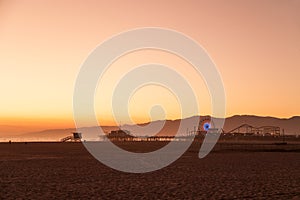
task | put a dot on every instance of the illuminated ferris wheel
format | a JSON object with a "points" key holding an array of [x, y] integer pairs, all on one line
{"points": [[204, 124]]}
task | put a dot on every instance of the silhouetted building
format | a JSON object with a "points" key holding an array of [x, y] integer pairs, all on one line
{"points": [[120, 135]]}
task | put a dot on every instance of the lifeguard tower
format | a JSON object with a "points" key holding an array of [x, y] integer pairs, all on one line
{"points": [[75, 137]]}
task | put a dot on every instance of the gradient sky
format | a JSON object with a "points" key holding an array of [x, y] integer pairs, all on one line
{"points": [[255, 45]]}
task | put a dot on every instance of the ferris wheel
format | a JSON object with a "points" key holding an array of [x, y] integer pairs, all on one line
{"points": [[204, 124]]}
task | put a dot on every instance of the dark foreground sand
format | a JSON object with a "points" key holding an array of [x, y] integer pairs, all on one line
{"points": [[231, 171]]}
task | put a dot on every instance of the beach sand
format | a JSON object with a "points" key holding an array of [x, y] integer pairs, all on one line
{"points": [[231, 171]]}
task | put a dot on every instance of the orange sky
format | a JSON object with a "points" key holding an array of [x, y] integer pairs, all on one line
{"points": [[255, 44]]}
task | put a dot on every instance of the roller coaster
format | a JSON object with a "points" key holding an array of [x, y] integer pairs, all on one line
{"points": [[246, 129]]}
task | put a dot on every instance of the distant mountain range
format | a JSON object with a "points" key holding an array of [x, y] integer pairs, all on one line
{"points": [[290, 125]]}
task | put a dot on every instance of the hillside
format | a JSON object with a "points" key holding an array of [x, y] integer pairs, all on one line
{"points": [[290, 125]]}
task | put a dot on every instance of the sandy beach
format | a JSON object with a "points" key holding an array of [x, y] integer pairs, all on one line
{"points": [[231, 171]]}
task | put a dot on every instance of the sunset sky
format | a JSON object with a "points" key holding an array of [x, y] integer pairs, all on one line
{"points": [[255, 45]]}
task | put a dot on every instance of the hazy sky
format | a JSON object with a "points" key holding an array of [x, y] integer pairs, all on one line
{"points": [[255, 45]]}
